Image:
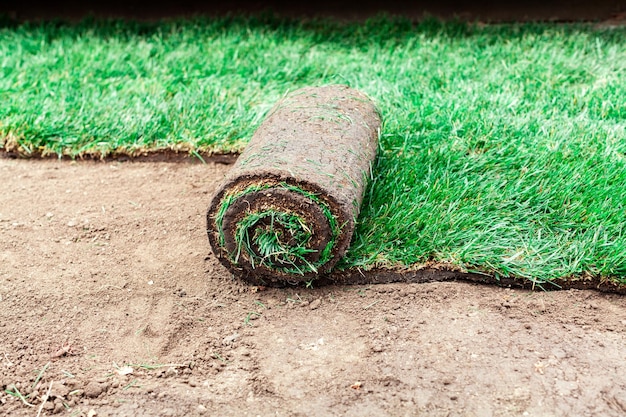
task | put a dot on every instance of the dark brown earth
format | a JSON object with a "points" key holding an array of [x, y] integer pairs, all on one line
{"points": [[109, 294]]}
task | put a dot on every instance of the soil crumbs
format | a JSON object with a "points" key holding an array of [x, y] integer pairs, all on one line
{"points": [[111, 304]]}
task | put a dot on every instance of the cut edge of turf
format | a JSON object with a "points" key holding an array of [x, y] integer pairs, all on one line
{"points": [[442, 272], [11, 148]]}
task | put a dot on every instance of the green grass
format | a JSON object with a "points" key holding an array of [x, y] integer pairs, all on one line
{"points": [[272, 244], [503, 147]]}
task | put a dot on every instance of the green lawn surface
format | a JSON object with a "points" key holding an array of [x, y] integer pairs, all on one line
{"points": [[503, 148]]}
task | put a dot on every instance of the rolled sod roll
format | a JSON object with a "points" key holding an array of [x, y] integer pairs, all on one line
{"points": [[287, 209]]}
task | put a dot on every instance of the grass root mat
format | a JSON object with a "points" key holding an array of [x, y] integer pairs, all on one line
{"points": [[287, 209]]}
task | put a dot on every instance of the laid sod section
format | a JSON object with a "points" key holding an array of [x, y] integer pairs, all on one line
{"points": [[502, 149]]}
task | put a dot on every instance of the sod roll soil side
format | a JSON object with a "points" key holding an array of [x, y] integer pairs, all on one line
{"points": [[286, 210]]}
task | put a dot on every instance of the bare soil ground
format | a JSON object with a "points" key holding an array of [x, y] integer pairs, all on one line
{"points": [[105, 265]]}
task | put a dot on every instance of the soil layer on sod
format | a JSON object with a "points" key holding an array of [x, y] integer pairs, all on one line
{"points": [[288, 207]]}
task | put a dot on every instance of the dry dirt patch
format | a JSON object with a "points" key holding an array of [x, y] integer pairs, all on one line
{"points": [[105, 265]]}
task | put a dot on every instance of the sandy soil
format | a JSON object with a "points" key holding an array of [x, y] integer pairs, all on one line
{"points": [[105, 265]]}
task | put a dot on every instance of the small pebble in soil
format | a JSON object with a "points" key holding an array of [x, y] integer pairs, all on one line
{"points": [[59, 390], [94, 389], [230, 339], [377, 347], [58, 406], [315, 304]]}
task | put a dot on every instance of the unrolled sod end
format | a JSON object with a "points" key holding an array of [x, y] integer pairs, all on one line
{"points": [[288, 207]]}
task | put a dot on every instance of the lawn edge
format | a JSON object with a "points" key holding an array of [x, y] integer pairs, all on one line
{"points": [[410, 274], [420, 274], [151, 156]]}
